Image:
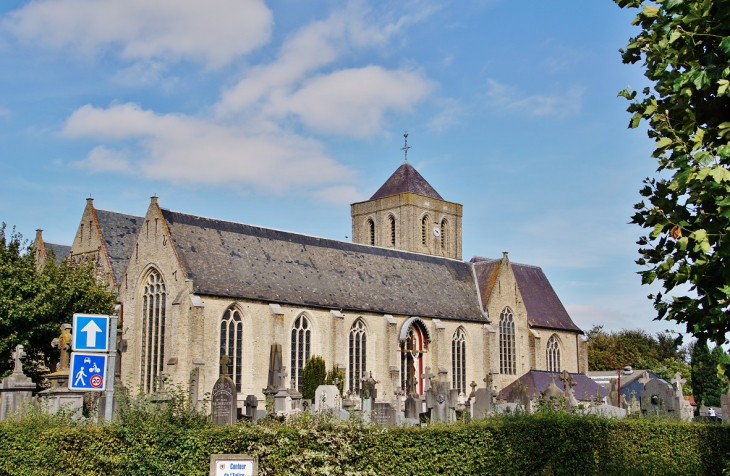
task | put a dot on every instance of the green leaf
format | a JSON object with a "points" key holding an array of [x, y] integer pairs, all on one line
{"points": [[650, 11], [703, 243], [664, 142], [635, 119], [725, 45], [723, 84], [682, 243], [674, 36], [720, 174], [657, 230]]}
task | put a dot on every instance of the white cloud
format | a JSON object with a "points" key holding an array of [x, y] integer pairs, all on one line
{"points": [[447, 117], [214, 31], [184, 149], [339, 194], [509, 98]]}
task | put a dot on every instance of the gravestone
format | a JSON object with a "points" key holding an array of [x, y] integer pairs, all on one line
{"points": [[483, 403], [224, 398], [440, 400], [519, 394], [367, 389], [686, 413], [251, 403], [383, 414], [426, 379], [658, 397], [275, 381], [605, 410], [613, 395], [59, 397], [568, 384], [17, 394], [411, 406], [725, 407], [282, 399], [327, 397]]}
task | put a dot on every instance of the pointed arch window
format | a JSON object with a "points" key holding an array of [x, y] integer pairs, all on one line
{"points": [[391, 226], [458, 360], [424, 230], [301, 348], [154, 300], [371, 232], [507, 350], [232, 343], [552, 356], [358, 347]]}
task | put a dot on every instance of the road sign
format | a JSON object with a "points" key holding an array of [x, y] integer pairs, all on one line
{"points": [[87, 372], [90, 333]]}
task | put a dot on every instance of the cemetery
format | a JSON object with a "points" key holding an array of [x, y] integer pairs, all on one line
{"points": [[540, 423]]}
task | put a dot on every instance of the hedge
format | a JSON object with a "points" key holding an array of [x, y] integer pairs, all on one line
{"points": [[521, 444]]}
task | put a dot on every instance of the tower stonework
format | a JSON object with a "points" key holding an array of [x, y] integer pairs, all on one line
{"points": [[406, 213]]}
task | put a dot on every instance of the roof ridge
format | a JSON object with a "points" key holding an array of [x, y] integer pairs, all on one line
{"points": [[318, 237], [118, 213]]}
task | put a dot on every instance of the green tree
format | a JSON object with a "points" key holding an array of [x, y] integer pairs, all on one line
{"points": [[685, 47], [313, 375], [34, 303], [336, 373], [707, 385]]}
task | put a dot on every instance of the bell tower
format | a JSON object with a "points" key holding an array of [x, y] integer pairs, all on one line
{"points": [[406, 213]]}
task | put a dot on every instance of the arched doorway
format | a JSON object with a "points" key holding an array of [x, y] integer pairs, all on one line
{"points": [[414, 339]]}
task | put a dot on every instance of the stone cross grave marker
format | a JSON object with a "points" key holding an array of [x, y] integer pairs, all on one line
{"points": [[426, 378], [63, 343], [17, 355], [678, 381]]}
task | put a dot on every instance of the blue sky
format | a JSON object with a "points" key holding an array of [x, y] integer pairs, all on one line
{"points": [[281, 114]]}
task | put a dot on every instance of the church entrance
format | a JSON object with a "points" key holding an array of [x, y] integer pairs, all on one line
{"points": [[411, 364]]}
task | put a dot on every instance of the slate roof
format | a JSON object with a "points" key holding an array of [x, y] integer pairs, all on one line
{"points": [[60, 251], [543, 305], [538, 380], [119, 232], [404, 180], [244, 261]]}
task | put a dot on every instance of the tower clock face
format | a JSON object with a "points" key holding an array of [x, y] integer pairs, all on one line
{"points": [[436, 232]]}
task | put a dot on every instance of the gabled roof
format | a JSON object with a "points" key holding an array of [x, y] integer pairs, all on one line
{"points": [[406, 179], [544, 308], [243, 261], [538, 381], [119, 232], [60, 251]]}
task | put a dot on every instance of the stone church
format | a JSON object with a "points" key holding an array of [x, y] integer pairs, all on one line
{"points": [[397, 300]]}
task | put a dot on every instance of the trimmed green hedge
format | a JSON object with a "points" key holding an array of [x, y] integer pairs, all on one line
{"points": [[522, 444]]}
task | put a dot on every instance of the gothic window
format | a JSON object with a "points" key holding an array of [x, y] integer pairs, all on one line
{"points": [[552, 356], [232, 343], [424, 230], [153, 330], [301, 348], [458, 360], [444, 236], [507, 350], [391, 223], [411, 362], [371, 232], [358, 341]]}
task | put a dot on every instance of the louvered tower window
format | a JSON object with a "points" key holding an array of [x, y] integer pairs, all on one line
{"points": [[371, 232], [424, 230], [391, 223], [444, 235]]}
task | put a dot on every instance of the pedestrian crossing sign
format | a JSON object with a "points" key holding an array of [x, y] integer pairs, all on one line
{"points": [[87, 372]]}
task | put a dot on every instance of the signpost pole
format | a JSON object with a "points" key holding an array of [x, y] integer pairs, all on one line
{"points": [[111, 367]]}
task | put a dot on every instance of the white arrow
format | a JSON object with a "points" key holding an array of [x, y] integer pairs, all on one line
{"points": [[91, 329]]}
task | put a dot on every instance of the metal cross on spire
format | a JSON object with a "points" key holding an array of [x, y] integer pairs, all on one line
{"points": [[406, 147]]}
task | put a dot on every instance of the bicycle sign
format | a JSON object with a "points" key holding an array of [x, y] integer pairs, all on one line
{"points": [[87, 372]]}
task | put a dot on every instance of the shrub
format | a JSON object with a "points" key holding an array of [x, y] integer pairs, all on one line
{"points": [[313, 376]]}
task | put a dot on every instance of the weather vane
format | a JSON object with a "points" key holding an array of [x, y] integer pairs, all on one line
{"points": [[406, 147]]}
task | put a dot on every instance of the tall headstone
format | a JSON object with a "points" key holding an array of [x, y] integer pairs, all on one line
{"points": [[383, 414], [251, 403], [17, 388], [685, 410], [59, 397], [613, 395], [725, 407], [224, 397], [658, 397], [568, 384], [440, 400], [275, 382]]}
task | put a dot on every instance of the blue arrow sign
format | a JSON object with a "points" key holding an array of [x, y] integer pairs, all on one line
{"points": [[87, 372], [90, 332]]}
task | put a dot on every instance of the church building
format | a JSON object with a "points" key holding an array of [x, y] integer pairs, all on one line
{"points": [[396, 302]]}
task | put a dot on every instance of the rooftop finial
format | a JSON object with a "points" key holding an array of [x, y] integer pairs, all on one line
{"points": [[406, 147]]}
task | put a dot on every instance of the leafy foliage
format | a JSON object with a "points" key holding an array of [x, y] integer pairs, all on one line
{"points": [[336, 373], [543, 443], [313, 375], [639, 349], [707, 385], [34, 303], [685, 45]]}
